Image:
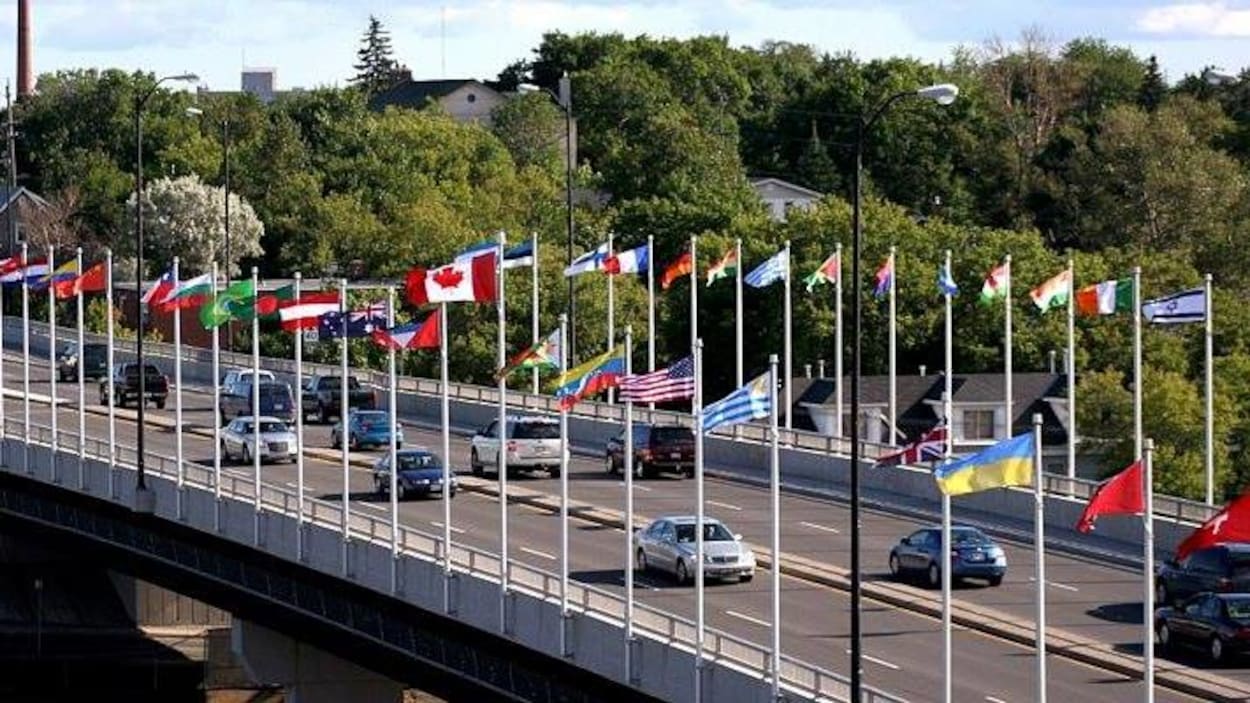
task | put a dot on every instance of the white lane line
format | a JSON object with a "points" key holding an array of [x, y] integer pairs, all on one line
{"points": [[880, 662], [992, 699], [748, 618], [823, 528], [636, 486], [537, 553], [371, 506], [726, 506], [454, 529], [1056, 584]]}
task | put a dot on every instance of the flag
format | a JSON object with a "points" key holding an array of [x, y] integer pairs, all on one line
{"points": [[721, 269], [1054, 292], [1122, 494], [33, 269], [946, 282], [414, 335], [594, 376], [458, 282], [10, 264], [826, 273], [930, 447], [1232, 524], [1178, 308], [635, 260], [885, 278], [1106, 298], [681, 267], [776, 268], [232, 303], [1008, 463], [303, 313], [750, 402], [996, 283], [268, 304], [187, 294], [673, 383], [359, 323], [590, 261], [159, 289], [93, 280], [544, 355], [67, 271], [519, 256], [475, 250]]}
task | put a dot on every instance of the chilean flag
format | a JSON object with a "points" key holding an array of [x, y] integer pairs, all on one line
{"points": [[414, 335], [463, 281], [159, 290], [635, 260]]}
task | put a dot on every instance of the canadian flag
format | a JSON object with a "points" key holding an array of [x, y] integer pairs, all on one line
{"points": [[467, 281]]}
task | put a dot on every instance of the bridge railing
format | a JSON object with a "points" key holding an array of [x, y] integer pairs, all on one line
{"points": [[672, 630]]}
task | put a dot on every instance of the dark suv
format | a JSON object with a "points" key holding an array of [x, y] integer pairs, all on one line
{"points": [[126, 385], [94, 361], [656, 448], [275, 401], [1224, 568]]}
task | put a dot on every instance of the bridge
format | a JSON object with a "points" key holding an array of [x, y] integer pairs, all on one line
{"points": [[1092, 639]]}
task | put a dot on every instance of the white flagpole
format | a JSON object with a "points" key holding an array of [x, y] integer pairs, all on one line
{"points": [[1210, 391], [1148, 572], [788, 381], [445, 414], [52, 359], [1137, 370], [893, 397], [299, 421], [502, 454], [1010, 418], [181, 481], [738, 310], [82, 390], [393, 447], [837, 343], [694, 288], [627, 468], [774, 499], [1039, 558], [1071, 370], [108, 327], [256, 404], [697, 412], [651, 305], [343, 455], [217, 409], [26, 362], [611, 314], [564, 498], [947, 451], [534, 333]]}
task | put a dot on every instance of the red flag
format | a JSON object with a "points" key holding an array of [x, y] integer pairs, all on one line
{"points": [[303, 313], [681, 267], [93, 280], [1122, 494], [1232, 524], [458, 282]]}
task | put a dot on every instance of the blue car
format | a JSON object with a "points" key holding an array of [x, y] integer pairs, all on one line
{"points": [[973, 555], [367, 428], [420, 473]]}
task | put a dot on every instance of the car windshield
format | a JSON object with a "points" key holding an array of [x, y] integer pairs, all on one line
{"points": [[149, 370], [1240, 565], [273, 391], [1238, 608], [712, 532], [265, 426], [969, 537], [418, 461], [331, 383], [94, 352], [671, 434], [536, 430]]}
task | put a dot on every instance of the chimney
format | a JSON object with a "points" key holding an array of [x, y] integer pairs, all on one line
{"points": [[25, 72], [1052, 360], [820, 368], [807, 370], [923, 368]]}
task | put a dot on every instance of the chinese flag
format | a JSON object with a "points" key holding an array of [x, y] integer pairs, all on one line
{"points": [[93, 280], [1232, 524], [1122, 494]]}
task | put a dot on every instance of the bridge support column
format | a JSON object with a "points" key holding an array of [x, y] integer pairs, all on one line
{"points": [[308, 674]]}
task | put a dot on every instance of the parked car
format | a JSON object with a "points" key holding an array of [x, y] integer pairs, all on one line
{"points": [[126, 385], [973, 555], [668, 544], [1223, 568], [533, 444], [323, 401], [420, 473], [234, 376], [656, 448], [1217, 623], [277, 441], [367, 428], [275, 400], [94, 359]]}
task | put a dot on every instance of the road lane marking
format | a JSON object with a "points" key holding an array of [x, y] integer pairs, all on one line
{"points": [[992, 699], [1056, 584], [726, 506], [880, 662], [371, 506], [454, 529], [748, 618], [537, 553], [636, 486], [814, 526]]}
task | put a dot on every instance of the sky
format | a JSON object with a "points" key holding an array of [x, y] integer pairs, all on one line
{"points": [[312, 43]]}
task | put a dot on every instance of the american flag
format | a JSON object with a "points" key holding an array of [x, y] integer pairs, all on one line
{"points": [[930, 447], [673, 383]]}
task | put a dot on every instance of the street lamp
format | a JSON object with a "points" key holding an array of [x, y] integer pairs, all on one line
{"points": [[144, 501], [225, 170], [564, 99], [942, 94]]}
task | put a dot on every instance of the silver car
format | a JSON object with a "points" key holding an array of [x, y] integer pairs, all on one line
{"points": [[668, 544], [277, 441]]}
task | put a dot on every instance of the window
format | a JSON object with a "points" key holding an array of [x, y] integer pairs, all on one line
{"points": [[1205, 560], [978, 424], [536, 430]]}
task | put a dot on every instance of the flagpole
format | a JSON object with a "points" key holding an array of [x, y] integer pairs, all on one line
{"points": [[343, 457], [445, 409], [947, 451], [393, 448], [774, 491], [82, 391], [564, 498], [1010, 418], [651, 307], [299, 421], [697, 412], [627, 468], [1137, 379], [1071, 369], [737, 309], [181, 480], [1148, 569], [837, 343], [893, 398], [26, 363], [788, 347], [108, 327], [534, 333], [502, 454], [1039, 558], [694, 288], [256, 405], [1210, 390], [216, 407], [52, 360]]}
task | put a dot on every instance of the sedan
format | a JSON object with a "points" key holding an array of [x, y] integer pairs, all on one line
{"points": [[973, 555], [420, 473], [668, 544], [277, 441], [367, 428], [1217, 623]]}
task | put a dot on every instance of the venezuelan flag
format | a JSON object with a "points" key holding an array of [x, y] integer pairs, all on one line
{"points": [[1008, 463], [598, 374]]}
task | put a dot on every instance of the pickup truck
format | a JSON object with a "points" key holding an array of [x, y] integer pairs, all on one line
{"points": [[275, 400], [322, 399], [126, 385]]}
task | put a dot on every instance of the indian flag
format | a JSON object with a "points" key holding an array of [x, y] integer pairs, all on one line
{"points": [[1106, 298], [827, 273], [1054, 292], [721, 269], [997, 283]]}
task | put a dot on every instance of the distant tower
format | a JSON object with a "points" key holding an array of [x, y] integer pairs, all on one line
{"points": [[25, 72]]}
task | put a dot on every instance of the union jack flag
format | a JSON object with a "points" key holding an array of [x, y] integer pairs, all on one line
{"points": [[930, 447]]}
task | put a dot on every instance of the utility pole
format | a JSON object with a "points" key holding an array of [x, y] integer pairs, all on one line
{"points": [[11, 137]]}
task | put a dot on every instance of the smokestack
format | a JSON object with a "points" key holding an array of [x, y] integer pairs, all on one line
{"points": [[25, 72]]}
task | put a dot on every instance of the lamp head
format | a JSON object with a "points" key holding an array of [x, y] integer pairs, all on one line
{"points": [[185, 77], [941, 93]]}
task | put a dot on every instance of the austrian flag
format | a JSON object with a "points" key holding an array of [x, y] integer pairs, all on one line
{"points": [[471, 280]]}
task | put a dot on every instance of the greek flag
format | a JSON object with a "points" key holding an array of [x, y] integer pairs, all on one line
{"points": [[750, 402], [1186, 306], [771, 271]]}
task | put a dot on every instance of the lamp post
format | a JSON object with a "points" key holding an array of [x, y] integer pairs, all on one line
{"points": [[225, 185], [143, 499], [943, 94]]}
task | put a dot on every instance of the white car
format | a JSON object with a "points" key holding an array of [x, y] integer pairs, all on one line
{"points": [[236, 376], [533, 444], [668, 544], [277, 441]]}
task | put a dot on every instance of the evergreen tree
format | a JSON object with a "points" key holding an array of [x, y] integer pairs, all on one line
{"points": [[1153, 90], [376, 70], [815, 168]]}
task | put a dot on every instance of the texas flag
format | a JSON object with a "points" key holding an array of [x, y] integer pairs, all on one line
{"points": [[464, 281], [414, 335]]}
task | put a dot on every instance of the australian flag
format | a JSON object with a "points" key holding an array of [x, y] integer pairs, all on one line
{"points": [[930, 447], [360, 323]]}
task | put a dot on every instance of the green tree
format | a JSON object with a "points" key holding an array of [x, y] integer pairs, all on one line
{"points": [[1153, 89], [376, 68]]}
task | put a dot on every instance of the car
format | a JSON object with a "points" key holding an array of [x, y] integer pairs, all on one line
{"points": [[973, 555], [420, 473], [656, 448], [323, 400], [1216, 623], [367, 428], [277, 441], [94, 362], [1221, 568], [533, 444], [275, 400], [235, 376], [668, 545], [126, 385]]}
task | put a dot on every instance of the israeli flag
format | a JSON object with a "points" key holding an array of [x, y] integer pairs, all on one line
{"points": [[771, 271]]}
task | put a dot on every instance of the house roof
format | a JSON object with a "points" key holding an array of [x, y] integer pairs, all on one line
{"points": [[7, 196], [415, 94], [758, 183]]}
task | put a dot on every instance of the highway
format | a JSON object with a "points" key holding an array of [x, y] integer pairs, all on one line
{"points": [[903, 649]]}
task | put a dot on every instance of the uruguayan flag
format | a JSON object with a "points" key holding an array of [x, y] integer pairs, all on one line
{"points": [[750, 402], [771, 271], [1186, 306]]}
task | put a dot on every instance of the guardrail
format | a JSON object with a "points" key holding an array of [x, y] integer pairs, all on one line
{"points": [[719, 647]]}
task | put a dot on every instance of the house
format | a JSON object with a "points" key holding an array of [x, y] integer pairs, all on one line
{"points": [[20, 203], [465, 99], [781, 195]]}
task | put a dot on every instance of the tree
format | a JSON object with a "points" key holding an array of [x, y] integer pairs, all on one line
{"points": [[815, 169], [1153, 90], [183, 217], [376, 69]]}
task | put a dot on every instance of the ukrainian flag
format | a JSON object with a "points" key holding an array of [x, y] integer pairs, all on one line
{"points": [[1008, 463]]}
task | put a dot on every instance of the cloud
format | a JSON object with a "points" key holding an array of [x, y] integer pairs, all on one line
{"points": [[1214, 19]]}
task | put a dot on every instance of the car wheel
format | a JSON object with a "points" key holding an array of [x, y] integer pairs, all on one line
{"points": [[1165, 636], [996, 580], [935, 576], [1161, 594], [353, 442], [611, 464], [640, 562], [474, 464], [323, 414], [895, 568], [1216, 650], [104, 397], [746, 578], [334, 440], [690, 472], [160, 404], [638, 469], [247, 455], [451, 493], [682, 575], [554, 472], [646, 471], [225, 454]]}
